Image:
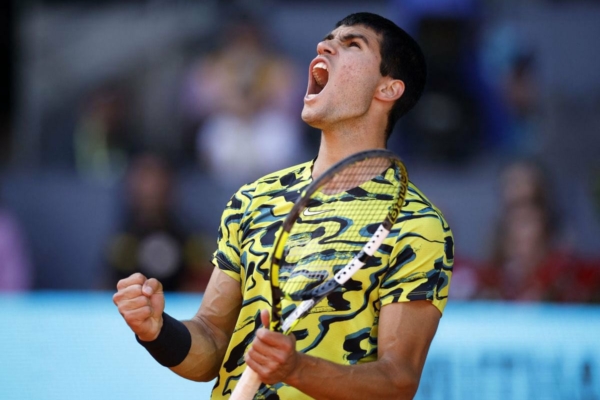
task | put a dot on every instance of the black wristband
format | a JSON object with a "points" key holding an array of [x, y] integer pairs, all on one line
{"points": [[172, 344]]}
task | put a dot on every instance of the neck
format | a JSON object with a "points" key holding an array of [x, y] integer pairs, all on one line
{"points": [[337, 144]]}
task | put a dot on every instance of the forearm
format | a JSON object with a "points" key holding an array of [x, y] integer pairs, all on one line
{"points": [[211, 329], [206, 352], [380, 379]]}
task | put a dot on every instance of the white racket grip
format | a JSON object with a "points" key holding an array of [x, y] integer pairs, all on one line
{"points": [[247, 386], [369, 249]]}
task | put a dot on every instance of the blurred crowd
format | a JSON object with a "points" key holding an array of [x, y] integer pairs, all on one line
{"points": [[531, 256], [150, 238], [236, 113], [244, 95]]}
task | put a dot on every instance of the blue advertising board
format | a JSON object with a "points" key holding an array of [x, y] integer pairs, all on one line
{"points": [[69, 345]]}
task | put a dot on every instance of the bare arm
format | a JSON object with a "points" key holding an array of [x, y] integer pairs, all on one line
{"points": [[211, 328], [141, 303], [405, 334]]}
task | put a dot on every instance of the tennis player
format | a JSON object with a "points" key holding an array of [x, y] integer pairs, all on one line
{"points": [[370, 341]]}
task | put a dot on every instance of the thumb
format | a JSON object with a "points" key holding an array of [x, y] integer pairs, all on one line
{"points": [[153, 289], [265, 318], [152, 286]]}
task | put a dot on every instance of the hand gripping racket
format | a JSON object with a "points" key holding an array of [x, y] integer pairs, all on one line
{"points": [[338, 223]]}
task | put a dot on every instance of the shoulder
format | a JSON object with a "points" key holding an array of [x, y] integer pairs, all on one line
{"points": [[281, 187], [284, 179], [275, 183], [420, 214]]}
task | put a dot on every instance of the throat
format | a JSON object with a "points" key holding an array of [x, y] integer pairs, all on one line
{"points": [[338, 144]]}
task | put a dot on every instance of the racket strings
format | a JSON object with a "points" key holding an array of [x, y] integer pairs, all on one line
{"points": [[351, 205]]}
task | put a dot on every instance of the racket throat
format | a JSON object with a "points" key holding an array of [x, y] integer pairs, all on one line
{"points": [[343, 275], [299, 312], [322, 290]]}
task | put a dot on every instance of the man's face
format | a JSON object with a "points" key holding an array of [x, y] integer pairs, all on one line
{"points": [[343, 78]]}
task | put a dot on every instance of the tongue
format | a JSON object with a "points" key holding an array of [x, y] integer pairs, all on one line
{"points": [[321, 76]]}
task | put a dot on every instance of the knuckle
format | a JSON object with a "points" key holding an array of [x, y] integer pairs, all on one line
{"points": [[251, 353], [133, 291], [139, 302], [138, 276], [122, 283]]}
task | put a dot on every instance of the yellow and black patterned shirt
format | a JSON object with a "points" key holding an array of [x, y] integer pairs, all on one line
{"points": [[418, 251]]}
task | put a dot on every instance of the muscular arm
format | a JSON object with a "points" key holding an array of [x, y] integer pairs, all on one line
{"points": [[211, 328], [405, 333], [141, 303]]}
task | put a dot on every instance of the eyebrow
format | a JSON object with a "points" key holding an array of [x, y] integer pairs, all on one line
{"points": [[348, 37]]}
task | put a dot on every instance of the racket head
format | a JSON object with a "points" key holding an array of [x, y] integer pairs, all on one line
{"points": [[330, 223]]}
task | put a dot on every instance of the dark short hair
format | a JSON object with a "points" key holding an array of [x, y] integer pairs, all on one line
{"points": [[401, 58]]}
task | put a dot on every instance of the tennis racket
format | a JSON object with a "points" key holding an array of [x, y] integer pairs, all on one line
{"points": [[338, 223]]}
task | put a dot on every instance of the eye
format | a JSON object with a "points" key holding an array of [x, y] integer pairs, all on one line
{"points": [[354, 44]]}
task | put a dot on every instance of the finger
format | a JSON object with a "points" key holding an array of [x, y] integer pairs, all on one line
{"points": [[135, 279], [278, 353], [260, 363], [152, 286], [133, 304], [267, 369], [128, 292], [136, 318], [265, 318], [264, 362], [262, 351], [275, 339]]}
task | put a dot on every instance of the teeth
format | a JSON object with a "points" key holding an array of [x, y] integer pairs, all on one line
{"points": [[310, 96], [320, 65]]}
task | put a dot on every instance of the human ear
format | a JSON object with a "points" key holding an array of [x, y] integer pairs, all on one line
{"points": [[390, 90]]}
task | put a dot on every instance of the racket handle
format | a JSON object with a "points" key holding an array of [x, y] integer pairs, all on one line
{"points": [[247, 386]]}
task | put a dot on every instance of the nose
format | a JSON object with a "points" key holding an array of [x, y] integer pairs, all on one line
{"points": [[325, 46]]}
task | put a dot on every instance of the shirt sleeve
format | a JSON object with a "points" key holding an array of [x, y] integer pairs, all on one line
{"points": [[420, 263], [227, 257]]}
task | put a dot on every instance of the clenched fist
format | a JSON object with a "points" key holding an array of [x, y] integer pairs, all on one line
{"points": [[141, 302], [273, 356]]}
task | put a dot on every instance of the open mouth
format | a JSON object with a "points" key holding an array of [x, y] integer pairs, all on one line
{"points": [[320, 76]]}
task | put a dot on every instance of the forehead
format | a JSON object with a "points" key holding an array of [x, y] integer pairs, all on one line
{"points": [[358, 31]]}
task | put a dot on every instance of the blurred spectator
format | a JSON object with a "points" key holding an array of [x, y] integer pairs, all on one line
{"points": [[15, 266], [525, 181], [151, 240], [530, 260], [521, 97], [512, 107], [102, 138], [243, 99], [527, 261]]}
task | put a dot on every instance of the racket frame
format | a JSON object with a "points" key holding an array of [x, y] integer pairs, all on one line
{"points": [[312, 297]]}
